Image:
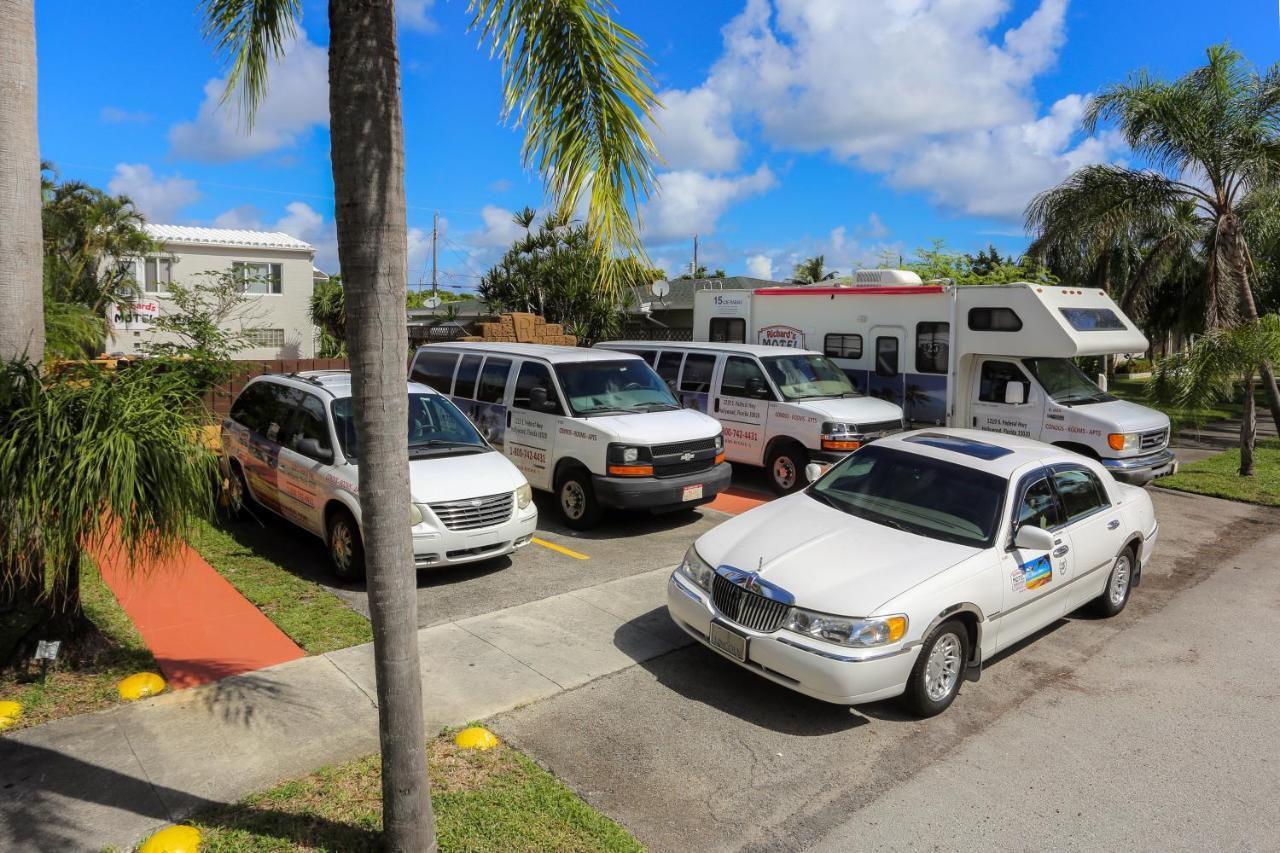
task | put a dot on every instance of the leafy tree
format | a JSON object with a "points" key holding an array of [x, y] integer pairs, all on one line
{"points": [[812, 270], [328, 311], [701, 273], [418, 298], [578, 83], [202, 327], [936, 262]]}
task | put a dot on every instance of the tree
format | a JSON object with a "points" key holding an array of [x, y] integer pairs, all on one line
{"points": [[578, 84], [202, 328], [812, 270], [701, 273], [937, 262], [1211, 139], [328, 311]]}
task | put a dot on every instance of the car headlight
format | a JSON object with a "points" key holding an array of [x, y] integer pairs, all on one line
{"points": [[1124, 440], [524, 495], [719, 441], [696, 569], [835, 428], [630, 454], [415, 515], [859, 633]]}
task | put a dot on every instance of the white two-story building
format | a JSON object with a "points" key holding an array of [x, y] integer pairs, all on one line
{"points": [[278, 274]]}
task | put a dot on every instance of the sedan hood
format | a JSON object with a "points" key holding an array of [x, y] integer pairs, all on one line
{"points": [[854, 410], [830, 561], [468, 475], [650, 428]]}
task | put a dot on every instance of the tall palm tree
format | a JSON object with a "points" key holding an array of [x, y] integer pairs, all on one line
{"points": [[578, 84], [21, 276], [813, 270], [1210, 138]]}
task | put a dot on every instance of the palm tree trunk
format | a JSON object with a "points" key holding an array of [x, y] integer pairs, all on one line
{"points": [[367, 149], [21, 244], [1248, 428], [1237, 251]]}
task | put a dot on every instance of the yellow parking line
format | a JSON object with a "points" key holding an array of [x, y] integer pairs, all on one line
{"points": [[560, 549]]}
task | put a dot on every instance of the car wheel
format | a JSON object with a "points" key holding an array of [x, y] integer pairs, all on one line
{"points": [[935, 679], [346, 548], [576, 498], [239, 501], [786, 468], [1119, 584]]}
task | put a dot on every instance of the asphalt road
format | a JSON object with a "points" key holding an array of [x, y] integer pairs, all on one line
{"points": [[1155, 730]]}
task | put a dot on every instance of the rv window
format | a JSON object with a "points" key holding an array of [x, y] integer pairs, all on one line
{"points": [[886, 356], [744, 378], [464, 384], [932, 342], [435, 369], [535, 391], [728, 330], [994, 320], [842, 346], [698, 368], [493, 380], [995, 376], [669, 366], [1093, 319]]}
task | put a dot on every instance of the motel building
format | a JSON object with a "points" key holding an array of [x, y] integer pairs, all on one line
{"points": [[278, 273]]}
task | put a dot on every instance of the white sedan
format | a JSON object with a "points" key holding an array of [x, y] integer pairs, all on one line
{"points": [[910, 562]]}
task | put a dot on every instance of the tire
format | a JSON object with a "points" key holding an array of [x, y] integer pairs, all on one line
{"points": [[345, 546], [240, 502], [785, 467], [934, 684], [1119, 585], [576, 500]]}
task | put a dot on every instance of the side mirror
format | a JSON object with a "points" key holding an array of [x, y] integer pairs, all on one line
{"points": [[1015, 393], [311, 448], [1032, 538], [813, 472]]}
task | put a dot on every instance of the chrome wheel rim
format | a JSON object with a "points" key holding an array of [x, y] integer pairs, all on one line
{"points": [[1119, 587], [573, 499], [341, 545], [236, 490], [942, 670], [784, 472]]}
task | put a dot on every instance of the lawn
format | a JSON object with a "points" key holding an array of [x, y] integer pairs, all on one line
{"points": [[1135, 391], [492, 800], [313, 617], [1218, 476], [84, 678]]}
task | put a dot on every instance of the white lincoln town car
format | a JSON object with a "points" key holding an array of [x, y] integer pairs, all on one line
{"points": [[909, 562]]}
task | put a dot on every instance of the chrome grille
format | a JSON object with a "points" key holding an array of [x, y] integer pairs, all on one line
{"points": [[747, 608], [880, 427], [1153, 440], [681, 469], [474, 512], [684, 447]]}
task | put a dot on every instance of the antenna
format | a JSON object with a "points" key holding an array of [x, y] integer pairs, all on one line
{"points": [[660, 288], [435, 230]]}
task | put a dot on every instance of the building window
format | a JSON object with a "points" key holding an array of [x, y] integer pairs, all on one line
{"points": [[932, 342], [258, 278], [728, 330], [265, 337], [842, 346], [159, 275]]}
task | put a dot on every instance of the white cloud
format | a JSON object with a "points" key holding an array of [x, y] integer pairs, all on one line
{"points": [[760, 266], [499, 230], [159, 198], [300, 220], [416, 15], [689, 202], [500, 186], [115, 115], [297, 101], [693, 131], [875, 227]]}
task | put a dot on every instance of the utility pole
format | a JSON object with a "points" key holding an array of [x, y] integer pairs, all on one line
{"points": [[694, 272], [435, 230]]}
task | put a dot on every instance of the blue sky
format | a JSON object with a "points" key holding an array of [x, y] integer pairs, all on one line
{"points": [[852, 128]]}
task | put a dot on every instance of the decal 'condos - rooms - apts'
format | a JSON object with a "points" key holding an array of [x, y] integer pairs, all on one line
{"points": [[278, 275]]}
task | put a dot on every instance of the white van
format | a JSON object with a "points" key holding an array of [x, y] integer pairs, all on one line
{"points": [[993, 357], [597, 428], [780, 408]]}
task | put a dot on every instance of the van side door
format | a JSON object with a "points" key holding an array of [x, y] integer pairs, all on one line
{"points": [[300, 474], [1000, 406], [741, 404], [532, 423], [696, 380], [487, 407]]}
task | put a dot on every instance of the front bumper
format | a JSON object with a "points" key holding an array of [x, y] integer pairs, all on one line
{"points": [[1140, 470], [659, 493], [821, 670], [439, 548]]}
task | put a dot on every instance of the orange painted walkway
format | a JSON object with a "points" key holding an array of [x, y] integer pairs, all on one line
{"points": [[198, 626], [736, 500]]}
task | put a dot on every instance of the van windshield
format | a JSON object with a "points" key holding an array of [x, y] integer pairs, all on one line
{"points": [[1065, 383], [614, 388], [808, 377], [436, 428]]}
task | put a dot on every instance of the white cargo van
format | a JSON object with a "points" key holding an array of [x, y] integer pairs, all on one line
{"points": [[994, 357], [597, 428], [780, 408]]}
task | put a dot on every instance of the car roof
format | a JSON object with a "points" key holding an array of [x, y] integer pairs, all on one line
{"points": [[993, 452], [758, 350], [542, 352], [336, 382]]}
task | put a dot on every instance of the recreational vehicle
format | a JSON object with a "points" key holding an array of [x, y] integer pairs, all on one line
{"points": [[992, 357]]}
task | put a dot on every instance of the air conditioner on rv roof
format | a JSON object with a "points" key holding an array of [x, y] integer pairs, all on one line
{"points": [[868, 278]]}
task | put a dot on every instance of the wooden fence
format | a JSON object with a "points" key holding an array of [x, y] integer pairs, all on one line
{"points": [[219, 399]]}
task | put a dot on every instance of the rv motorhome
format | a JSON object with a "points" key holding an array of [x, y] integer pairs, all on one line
{"points": [[993, 357]]}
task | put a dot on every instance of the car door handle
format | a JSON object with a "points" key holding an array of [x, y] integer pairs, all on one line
{"points": [[717, 404], [1061, 550], [1113, 524]]}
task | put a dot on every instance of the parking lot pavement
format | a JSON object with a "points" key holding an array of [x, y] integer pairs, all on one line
{"points": [[1154, 730]]}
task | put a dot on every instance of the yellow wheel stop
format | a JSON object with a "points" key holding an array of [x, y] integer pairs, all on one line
{"points": [[9, 714], [141, 685], [476, 737], [173, 839]]}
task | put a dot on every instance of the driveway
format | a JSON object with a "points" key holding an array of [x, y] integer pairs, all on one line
{"points": [[1154, 730]]}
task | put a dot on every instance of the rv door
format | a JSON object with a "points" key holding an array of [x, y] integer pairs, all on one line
{"points": [[885, 379]]}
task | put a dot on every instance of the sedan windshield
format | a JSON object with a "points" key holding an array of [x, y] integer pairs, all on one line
{"points": [[808, 377], [436, 428], [614, 387], [918, 494], [1064, 382]]}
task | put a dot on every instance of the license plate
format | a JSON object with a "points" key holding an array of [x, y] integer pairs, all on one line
{"points": [[729, 642], [692, 493]]}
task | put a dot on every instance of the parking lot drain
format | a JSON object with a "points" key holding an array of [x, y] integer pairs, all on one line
{"points": [[9, 714], [141, 685], [173, 839], [476, 737]]}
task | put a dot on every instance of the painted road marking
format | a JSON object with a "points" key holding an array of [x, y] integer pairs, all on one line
{"points": [[560, 549]]}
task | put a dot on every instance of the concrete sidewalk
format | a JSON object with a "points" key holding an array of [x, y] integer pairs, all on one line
{"points": [[112, 777]]}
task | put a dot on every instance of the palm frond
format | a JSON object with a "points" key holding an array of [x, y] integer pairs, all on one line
{"points": [[249, 34]]}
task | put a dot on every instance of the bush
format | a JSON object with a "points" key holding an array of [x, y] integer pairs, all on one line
{"points": [[1135, 365]]}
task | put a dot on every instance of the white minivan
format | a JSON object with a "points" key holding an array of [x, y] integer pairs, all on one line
{"points": [[598, 429], [780, 408]]}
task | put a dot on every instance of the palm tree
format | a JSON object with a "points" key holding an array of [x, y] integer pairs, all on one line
{"points": [[812, 270], [577, 82], [21, 277], [1210, 138]]}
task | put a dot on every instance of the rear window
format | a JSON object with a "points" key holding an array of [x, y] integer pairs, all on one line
{"points": [[1093, 319], [435, 369], [697, 373]]}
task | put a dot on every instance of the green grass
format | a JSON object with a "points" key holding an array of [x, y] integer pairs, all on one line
{"points": [[1135, 391], [85, 676], [314, 618], [492, 800], [1218, 476]]}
